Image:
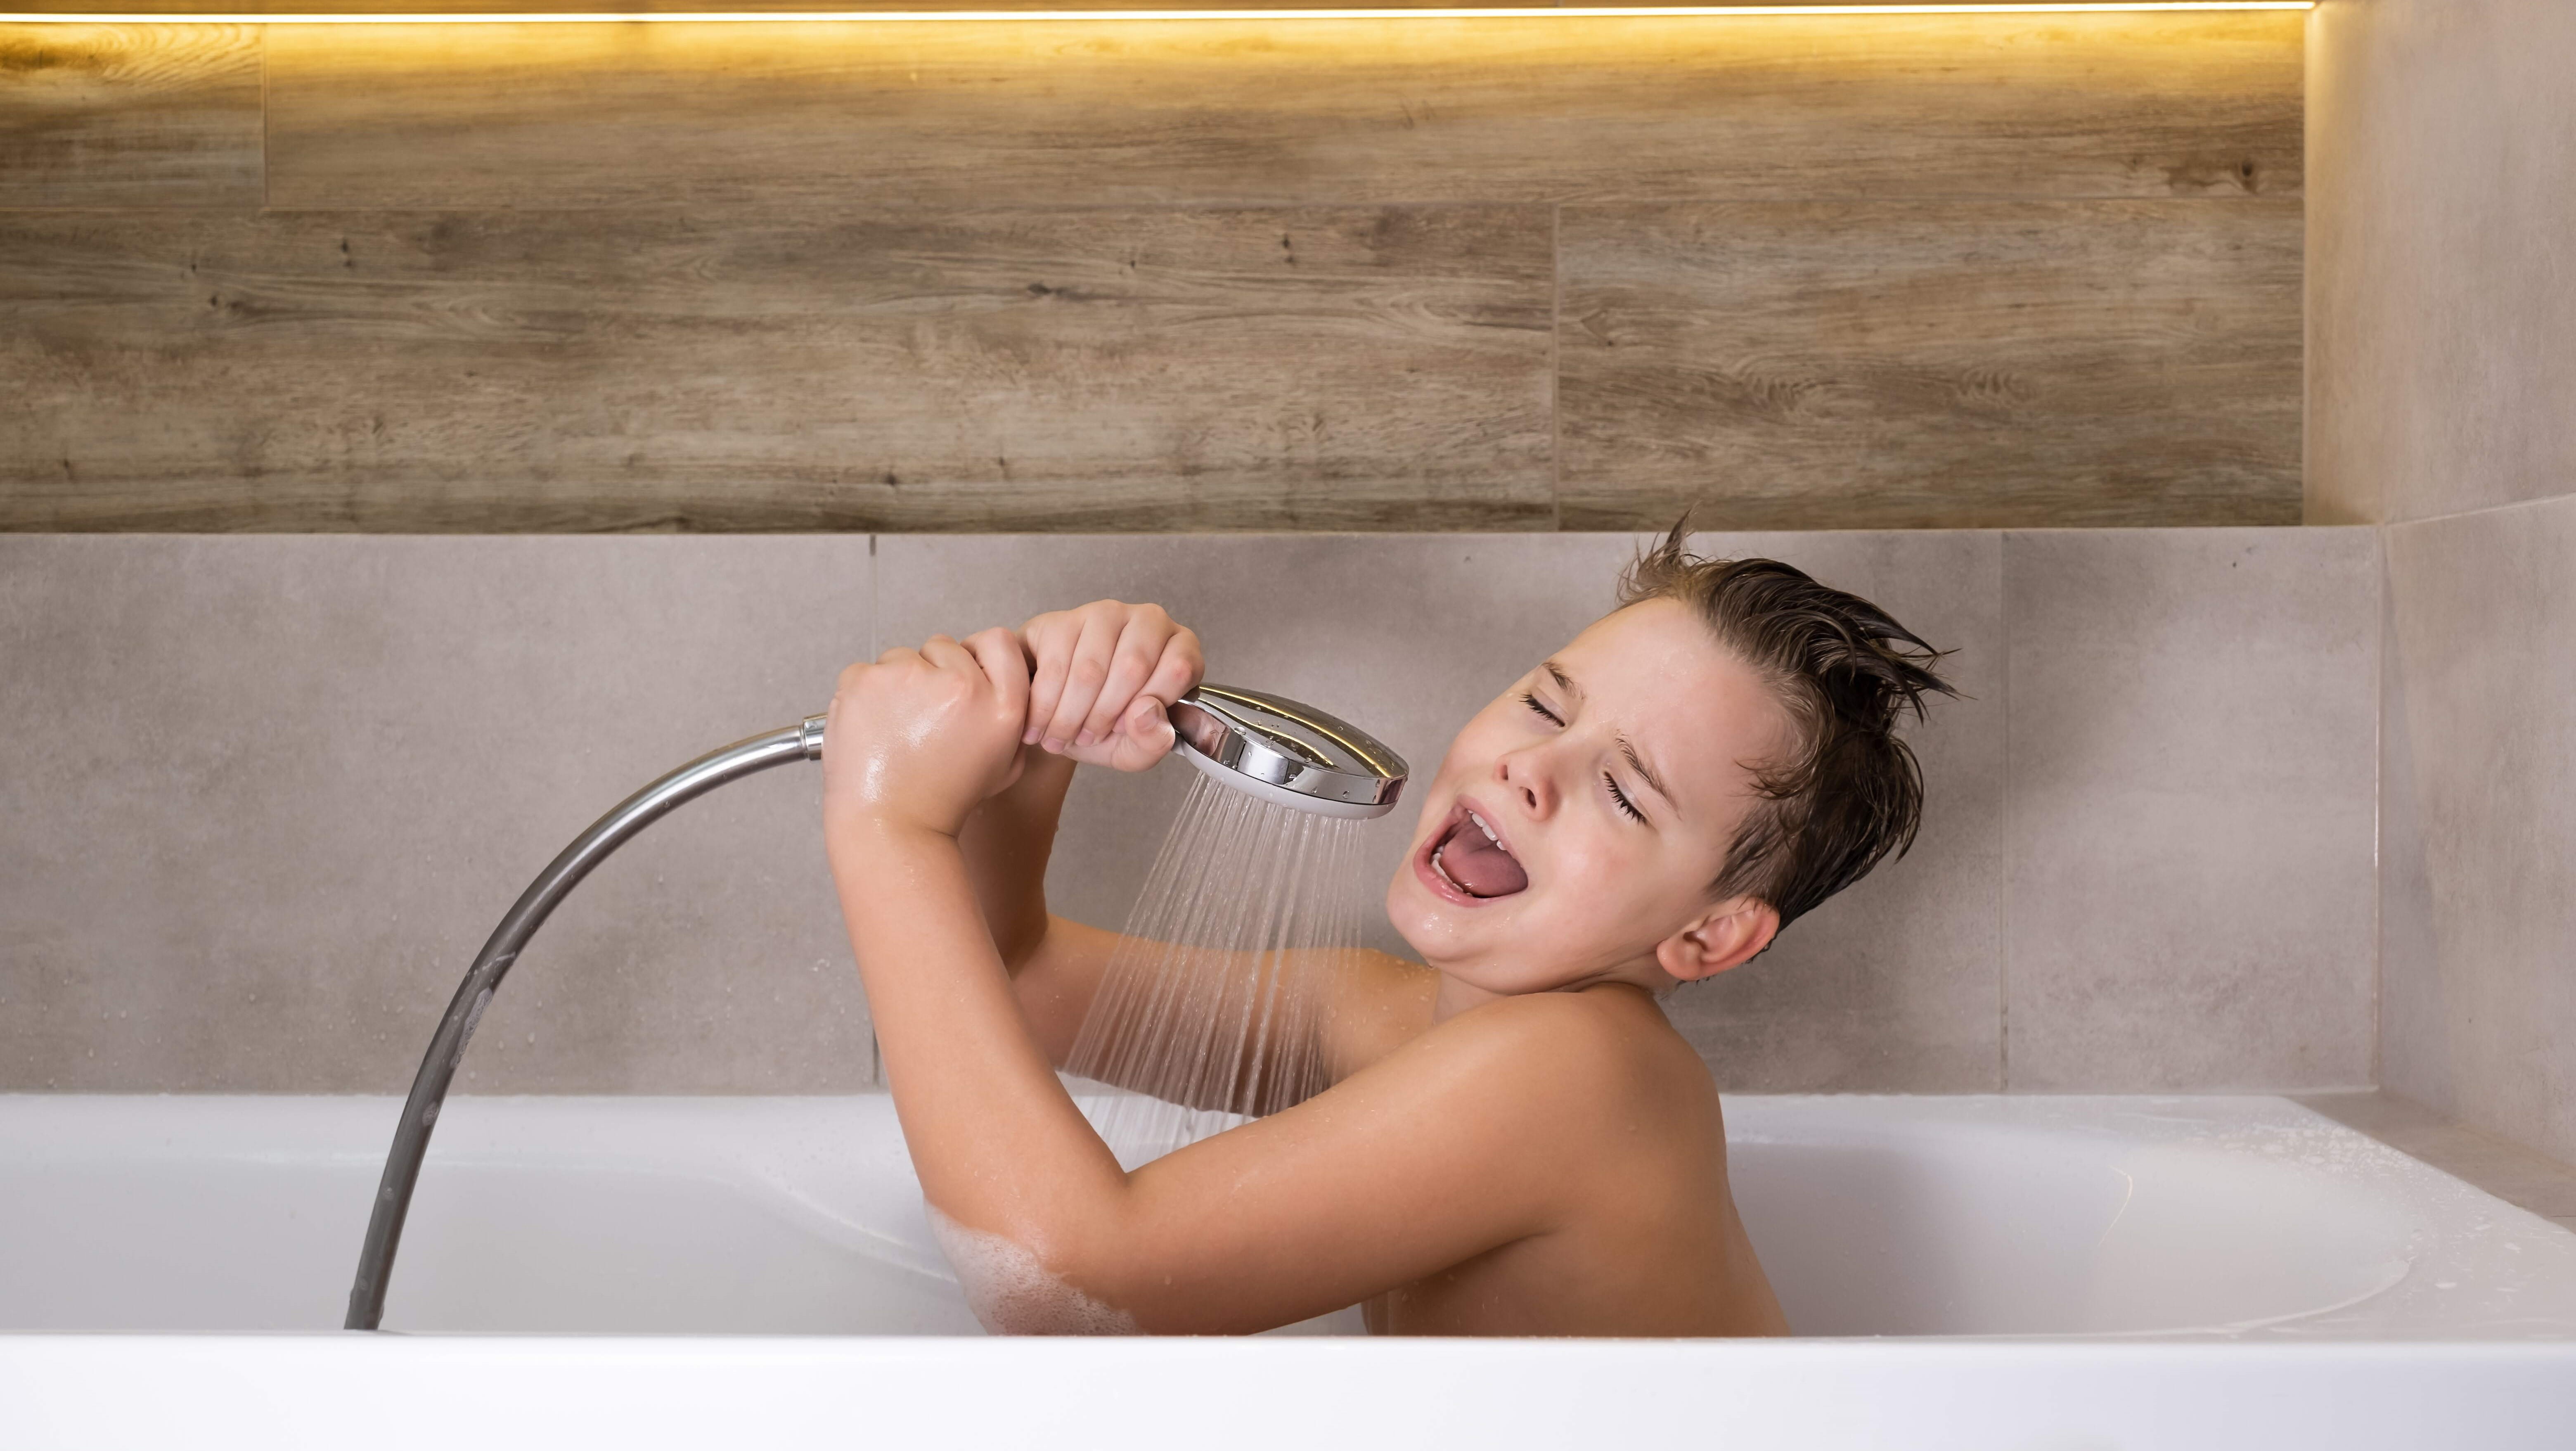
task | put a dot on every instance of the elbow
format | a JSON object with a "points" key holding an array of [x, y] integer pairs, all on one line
{"points": [[1015, 1290], [1018, 937]]}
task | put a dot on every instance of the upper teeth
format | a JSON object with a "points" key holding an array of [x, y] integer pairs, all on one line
{"points": [[1487, 830]]}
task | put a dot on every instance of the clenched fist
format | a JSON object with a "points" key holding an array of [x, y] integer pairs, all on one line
{"points": [[1101, 678], [919, 738]]}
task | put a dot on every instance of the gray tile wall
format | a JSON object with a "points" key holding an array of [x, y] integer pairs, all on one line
{"points": [[2442, 404], [267, 794], [2193, 782], [2480, 945], [263, 797]]}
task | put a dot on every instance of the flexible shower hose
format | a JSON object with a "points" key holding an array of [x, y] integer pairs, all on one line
{"points": [[802, 742]]}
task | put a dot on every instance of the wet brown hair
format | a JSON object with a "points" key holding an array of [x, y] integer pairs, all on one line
{"points": [[1851, 793]]}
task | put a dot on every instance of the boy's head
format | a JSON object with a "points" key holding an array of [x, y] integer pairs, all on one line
{"points": [[1687, 776]]}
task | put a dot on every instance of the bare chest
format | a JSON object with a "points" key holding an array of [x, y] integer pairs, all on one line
{"points": [[1689, 1271]]}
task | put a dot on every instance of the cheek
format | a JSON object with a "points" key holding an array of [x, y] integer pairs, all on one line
{"points": [[1593, 860], [1609, 886]]}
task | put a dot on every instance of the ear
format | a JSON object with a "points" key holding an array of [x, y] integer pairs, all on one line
{"points": [[1726, 936]]}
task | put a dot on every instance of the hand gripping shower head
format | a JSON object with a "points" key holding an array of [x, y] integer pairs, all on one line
{"points": [[1281, 751]]}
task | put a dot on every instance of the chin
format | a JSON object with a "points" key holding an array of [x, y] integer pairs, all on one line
{"points": [[1445, 933], [1406, 912], [1427, 924]]}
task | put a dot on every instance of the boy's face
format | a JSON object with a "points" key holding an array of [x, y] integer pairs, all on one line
{"points": [[1578, 820]]}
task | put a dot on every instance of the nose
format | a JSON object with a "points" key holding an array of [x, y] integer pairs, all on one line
{"points": [[1526, 774]]}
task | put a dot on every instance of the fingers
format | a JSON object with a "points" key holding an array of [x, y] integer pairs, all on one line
{"points": [[1088, 668], [921, 736], [1131, 664], [998, 651], [1179, 669], [944, 653], [1085, 673], [988, 658], [1051, 639], [1144, 735]]}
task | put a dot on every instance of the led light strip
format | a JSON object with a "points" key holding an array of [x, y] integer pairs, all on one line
{"points": [[739, 17]]}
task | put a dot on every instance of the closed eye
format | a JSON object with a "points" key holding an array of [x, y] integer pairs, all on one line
{"points": [[1621, 797], [1532, 702]]}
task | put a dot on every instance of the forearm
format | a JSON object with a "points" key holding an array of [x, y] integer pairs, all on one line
{"points": [[1006, 843], [998, 1143]]}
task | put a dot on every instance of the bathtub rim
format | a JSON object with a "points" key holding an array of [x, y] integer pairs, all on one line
{"points": [[294, 1389]]}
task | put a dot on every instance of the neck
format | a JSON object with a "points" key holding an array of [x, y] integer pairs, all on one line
{"points": [[1457, 995]]}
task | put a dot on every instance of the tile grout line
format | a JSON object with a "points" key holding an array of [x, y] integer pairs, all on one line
{"points": [[2379, 612], [2003, 884]]}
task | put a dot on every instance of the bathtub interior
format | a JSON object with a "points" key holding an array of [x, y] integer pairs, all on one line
{"points": [[1910, 1216]]}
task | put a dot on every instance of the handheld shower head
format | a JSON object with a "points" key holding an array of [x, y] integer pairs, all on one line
{"points": [[1282, 751]]}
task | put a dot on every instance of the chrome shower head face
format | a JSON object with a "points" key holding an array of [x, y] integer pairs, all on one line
{"points": [[1282, 751]]}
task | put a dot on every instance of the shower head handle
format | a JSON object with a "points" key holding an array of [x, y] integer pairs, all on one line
{"points": [[1285, 751]]}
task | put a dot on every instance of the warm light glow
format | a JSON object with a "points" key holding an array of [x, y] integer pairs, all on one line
{"points": [[1569, 12]]}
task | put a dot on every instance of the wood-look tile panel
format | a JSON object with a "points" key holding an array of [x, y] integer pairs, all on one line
{"points": [[1322, 369], [129, 115], [1930, 365], [1276, 112]]}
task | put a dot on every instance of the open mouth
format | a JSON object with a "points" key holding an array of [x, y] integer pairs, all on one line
{"points": [[1470, 858]]}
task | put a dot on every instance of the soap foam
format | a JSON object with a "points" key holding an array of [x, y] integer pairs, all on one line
{"points": [[1012, 1293]]}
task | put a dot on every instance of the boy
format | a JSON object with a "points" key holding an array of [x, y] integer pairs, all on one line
{"points": [[1517, 1142]]}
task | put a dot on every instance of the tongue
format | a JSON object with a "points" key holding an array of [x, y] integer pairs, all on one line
{"points": [[1480, 866]]}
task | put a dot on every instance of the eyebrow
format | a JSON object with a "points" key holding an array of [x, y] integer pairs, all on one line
{"points": [[1627, 747]]}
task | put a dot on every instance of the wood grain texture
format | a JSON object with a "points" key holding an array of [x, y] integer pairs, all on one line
{"points": [[1332, 368], [1961, 364], [129, 115], [1272, 112], [1822, 272]]}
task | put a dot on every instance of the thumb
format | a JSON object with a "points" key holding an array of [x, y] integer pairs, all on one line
{"points": [[1144, 734]]}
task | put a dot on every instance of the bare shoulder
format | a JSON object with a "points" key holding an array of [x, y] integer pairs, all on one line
{"points": [[1616, 1037], [1587, 1056], [1380, 1002]]}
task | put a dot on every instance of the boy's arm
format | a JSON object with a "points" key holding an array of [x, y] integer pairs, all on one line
{"points": [[1479, 1134], [1006, 843], [1099, 679], [1055, 965], [1462, 1141], [914, 744]]}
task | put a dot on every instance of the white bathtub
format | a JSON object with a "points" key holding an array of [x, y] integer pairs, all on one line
{"points": [[2032, 1271]]}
